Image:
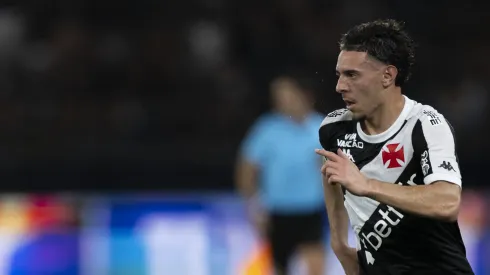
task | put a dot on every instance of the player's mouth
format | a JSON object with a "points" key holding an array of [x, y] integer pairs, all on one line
{"points": [[349, 103]]}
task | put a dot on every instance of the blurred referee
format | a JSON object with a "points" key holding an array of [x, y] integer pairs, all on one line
{"points": [[278, 176]]}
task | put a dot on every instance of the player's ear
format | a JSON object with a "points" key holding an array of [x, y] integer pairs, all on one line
{"points": [[389, 75]]}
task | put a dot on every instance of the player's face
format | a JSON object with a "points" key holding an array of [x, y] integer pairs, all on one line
{"points": [[359, 82]]}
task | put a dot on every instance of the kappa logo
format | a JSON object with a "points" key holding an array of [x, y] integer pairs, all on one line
{"points": [[447, 165], [393, 155]]}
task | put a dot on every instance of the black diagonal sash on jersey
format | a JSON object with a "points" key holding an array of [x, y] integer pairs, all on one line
{"points": [[383, 231]]}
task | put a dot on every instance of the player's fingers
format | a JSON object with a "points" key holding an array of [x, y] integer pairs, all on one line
{"points": [[322, 170], [342, 154], [330, 171], [333, 179], [321, 152], [327, 170], [332, 164], [329, 155]]}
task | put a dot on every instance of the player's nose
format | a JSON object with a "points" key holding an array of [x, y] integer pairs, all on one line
{"points": [[341, 86]]}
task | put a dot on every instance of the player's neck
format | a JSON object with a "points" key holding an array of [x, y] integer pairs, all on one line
{"points": [[385, 115]]}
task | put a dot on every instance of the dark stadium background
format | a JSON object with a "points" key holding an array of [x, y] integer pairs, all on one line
{"points": [[153, 97]]}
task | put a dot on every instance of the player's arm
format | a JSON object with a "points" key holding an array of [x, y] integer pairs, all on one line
{"points": [[337, 214], [439, 200], [333, 195], [440, 195], [339, 225]]}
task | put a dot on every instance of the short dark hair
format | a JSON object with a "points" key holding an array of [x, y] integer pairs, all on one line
{"points": [[385, 40]]}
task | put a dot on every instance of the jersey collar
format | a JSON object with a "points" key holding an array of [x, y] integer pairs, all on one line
{"points": [[381, 137]]}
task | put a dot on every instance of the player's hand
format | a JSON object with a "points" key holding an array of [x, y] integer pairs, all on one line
{"points": [[339, 169]]}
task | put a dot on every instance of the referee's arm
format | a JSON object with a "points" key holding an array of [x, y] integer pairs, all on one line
{"points": [[440, 194], [252, 153], [246, 174]]}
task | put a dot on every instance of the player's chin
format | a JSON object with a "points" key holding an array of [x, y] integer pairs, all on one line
{"points": [[352, 107], [356, 114]]}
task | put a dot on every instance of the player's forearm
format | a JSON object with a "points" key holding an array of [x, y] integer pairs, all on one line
{"points": [[337, 216], [434, 200]]}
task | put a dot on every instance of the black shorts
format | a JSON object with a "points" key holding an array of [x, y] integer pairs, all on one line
{"points": [[287, 232]]}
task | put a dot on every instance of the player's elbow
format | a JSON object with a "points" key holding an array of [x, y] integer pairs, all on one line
{"points": [[339, 248], [449, 209], [446, 201]]}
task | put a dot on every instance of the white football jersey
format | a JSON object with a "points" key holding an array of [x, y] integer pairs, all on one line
{"points": [[419, 148]]}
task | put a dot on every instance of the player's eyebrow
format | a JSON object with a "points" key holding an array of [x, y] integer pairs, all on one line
{"points": [[349, 72]]}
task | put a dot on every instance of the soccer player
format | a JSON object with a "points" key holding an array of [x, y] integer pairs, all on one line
{"points": [[390, 164], [277, 165]]}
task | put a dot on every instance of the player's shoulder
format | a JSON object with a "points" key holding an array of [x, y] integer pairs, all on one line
{"points": [[334, 123], [430, 127], [428, 115], [430, 124], [336, 117]]}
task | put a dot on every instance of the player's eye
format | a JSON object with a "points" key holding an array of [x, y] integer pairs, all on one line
{"points": [[350, 74]]}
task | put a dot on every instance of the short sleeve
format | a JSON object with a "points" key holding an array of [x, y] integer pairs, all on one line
{"points": [[438, 157], [330, 126], [254, 146]]}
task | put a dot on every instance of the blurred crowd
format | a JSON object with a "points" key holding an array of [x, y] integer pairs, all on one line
{"points": [[158, 94]]}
